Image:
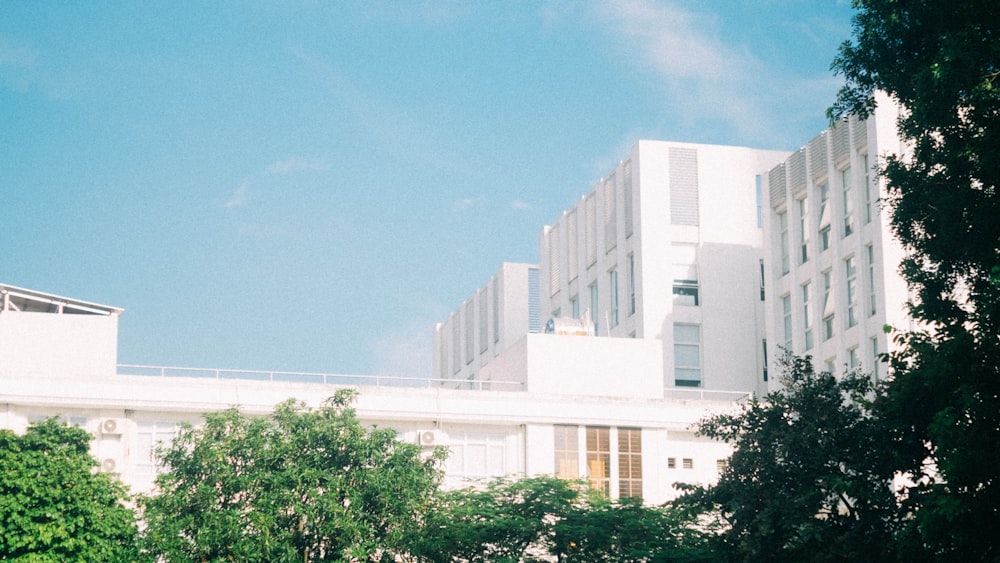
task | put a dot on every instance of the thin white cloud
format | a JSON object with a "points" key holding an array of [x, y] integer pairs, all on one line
{"points": [[463, 203], [520, 204], [239, 197], [708, 80]]}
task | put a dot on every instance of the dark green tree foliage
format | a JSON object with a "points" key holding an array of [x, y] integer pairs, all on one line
{"points": [[541, 518], [805, 482], [54, 506], [296, 485], [941, 61]]}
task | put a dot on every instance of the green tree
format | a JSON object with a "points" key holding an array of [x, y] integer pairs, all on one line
{"points": [[297, 485], [54, 506], [806, 481], [941, 61], [541, 518]]}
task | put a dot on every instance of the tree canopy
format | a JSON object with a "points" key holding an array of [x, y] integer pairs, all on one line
{"points": [[296, 485], [54, 506], [941, 62], [805, 481]]}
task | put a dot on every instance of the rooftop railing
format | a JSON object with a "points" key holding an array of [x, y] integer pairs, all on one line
{"points": [[316, 378]]}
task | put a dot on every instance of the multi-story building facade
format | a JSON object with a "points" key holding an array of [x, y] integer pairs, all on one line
{"points": [[831, 259], [689, 265]]}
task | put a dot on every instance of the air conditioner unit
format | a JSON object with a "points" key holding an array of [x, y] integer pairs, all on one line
{"points": [[432, 438], [112, 426], [109, 465]]}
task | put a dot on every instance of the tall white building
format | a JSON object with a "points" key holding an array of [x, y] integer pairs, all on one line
{"points": [[831, 259], [689, 265]]}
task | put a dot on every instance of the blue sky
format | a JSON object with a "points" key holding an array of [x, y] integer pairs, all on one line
{"points": [[311, 186]]}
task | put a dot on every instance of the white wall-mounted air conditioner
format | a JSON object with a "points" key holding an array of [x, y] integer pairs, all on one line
{"points": [[432, 438], [112, 426]]}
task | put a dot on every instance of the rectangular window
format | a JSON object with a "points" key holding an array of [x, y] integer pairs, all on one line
{"points": [[567, 452], [872, 295], [783, 228], [688, 463], [671, 463], [803, 205], [852, 358], [763, 345], [599, 459], [687, 355], [631, 284], [831, 366], [848, 185], [786, 315], [824, 217], [851, 276], [807, 315], [574, 306], [867, 187], [762, 278], [685, 266], [629, 463], [476, 455], [613, 306], [150, 436], [828, 307], [594, 311]]}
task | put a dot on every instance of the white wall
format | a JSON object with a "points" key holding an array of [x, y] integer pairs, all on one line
{"points": [[39, 344]]}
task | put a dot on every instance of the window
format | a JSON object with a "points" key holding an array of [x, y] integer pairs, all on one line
{"points": [[613, 310], [599, 459], [851, 276], [872, 297], [629, 463], [803, 205], [574, 306], [687, 355], [594, 314], [847, 183], [867, 188], [762, 277], [807, 316], [631, 284], [852, 358], [688, 463], [828, 310], [824, 217], [720, 465], [831, 366], [476, 455], [557, 313], [150, 436], [567, 452], [671, 463], [786, 314], [685, 265], [783, 228], [763, 345]]}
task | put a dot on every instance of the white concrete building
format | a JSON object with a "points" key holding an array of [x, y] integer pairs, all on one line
{"points": [[832, 262], [58, 358], [500, 313]]}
